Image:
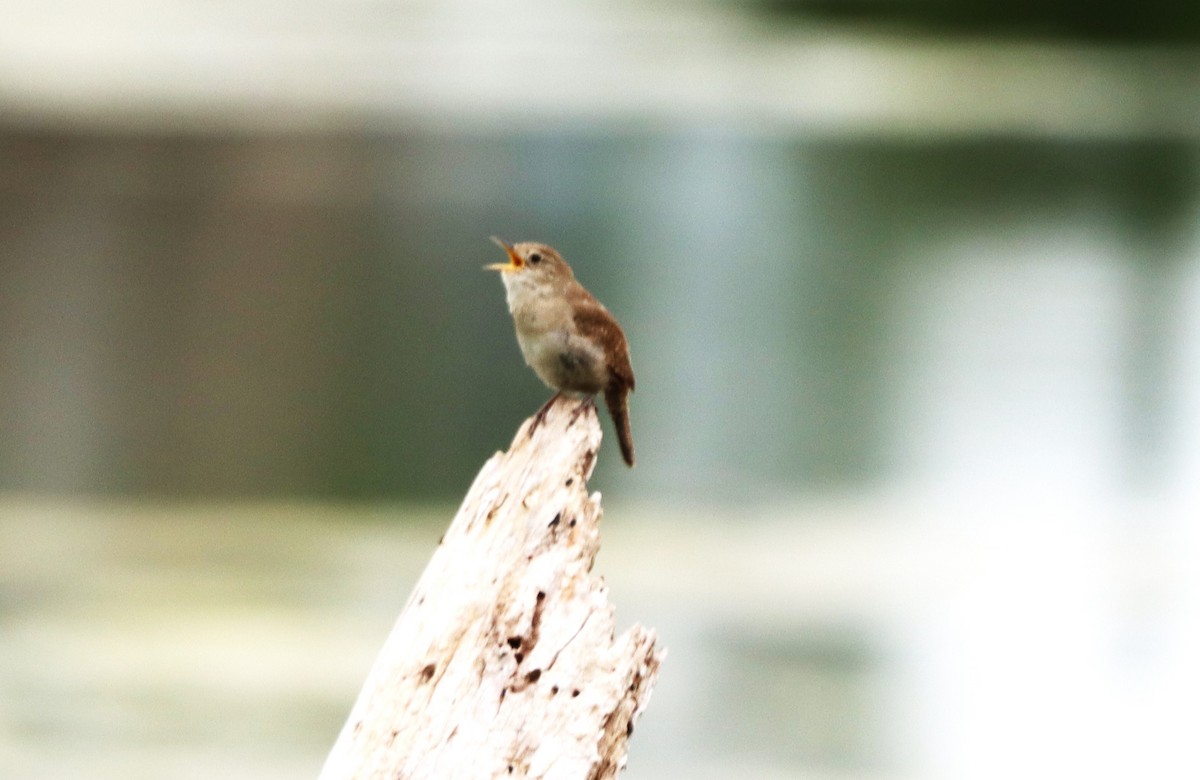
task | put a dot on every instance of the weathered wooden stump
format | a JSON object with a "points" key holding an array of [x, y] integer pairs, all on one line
{"points": [[505, 663]]}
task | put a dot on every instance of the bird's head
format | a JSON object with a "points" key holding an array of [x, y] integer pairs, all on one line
{"points": [[530, 264]]}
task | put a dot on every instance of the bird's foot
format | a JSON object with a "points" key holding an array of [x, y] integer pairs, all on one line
{"points": [[587, 403], [540, 417]]}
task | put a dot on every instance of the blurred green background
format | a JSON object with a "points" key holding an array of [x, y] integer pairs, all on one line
{"points": [[913, 298]]}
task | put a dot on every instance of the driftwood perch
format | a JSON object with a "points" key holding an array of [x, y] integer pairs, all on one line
{"points": [[504, 663]]}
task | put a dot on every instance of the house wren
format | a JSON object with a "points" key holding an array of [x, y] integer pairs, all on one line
{"points": [[568, 338]]}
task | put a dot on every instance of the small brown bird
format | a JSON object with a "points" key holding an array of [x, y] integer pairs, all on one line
{"points": [[568, 338]]}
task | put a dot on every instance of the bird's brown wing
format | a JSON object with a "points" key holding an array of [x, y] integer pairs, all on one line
{"points": [[592, 317]]}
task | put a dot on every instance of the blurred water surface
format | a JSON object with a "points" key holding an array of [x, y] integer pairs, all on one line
{"points": [[868, 638], [277, 316]]}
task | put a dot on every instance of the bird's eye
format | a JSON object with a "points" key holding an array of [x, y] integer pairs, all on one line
{"points": [[535, 258]]}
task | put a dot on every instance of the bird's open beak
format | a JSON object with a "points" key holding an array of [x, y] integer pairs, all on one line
{"points": [[514, 260]]}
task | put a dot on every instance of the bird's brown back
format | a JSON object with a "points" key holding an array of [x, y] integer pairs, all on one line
{"points": [[591, 317]]}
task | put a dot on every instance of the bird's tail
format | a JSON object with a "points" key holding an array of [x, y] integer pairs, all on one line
{"points": [[617, 399]]}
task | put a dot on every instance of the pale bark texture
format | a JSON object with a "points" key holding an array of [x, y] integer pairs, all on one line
{"points": [[505, 663]]}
